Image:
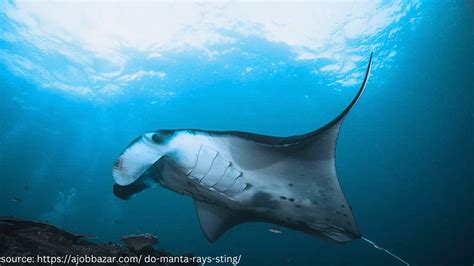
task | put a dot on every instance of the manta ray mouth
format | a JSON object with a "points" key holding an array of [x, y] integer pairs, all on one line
{"points": [[135, 160]]}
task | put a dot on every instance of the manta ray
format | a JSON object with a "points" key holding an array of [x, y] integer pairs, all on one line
{"points": [[239, 177]]}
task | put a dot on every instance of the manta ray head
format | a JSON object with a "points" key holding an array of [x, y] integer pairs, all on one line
{"points": [[139, 156]]}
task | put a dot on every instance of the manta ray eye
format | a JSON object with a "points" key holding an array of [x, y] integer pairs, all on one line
{"points": [[162, 136], [157, 138]]}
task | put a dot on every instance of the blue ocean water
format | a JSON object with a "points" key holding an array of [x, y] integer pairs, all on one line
{"points": [[405, 154]]}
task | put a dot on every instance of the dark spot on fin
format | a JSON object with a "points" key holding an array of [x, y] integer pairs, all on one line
{"points": [[247, 186]]}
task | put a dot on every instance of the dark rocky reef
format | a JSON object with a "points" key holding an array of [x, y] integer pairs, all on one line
{"points": [[23, 238]]}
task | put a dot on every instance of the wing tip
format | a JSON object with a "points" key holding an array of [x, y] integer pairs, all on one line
{"points": [[362, 87], [359, 93]]}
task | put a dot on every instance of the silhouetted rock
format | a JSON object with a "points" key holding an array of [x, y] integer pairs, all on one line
{"points": [[36, 239], [139, 242]]}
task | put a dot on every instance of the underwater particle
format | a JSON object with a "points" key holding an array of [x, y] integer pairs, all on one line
{"points": [[15, 199], [291, 199], [283, 197], [139, 242], [274, 230], [290, 184]]}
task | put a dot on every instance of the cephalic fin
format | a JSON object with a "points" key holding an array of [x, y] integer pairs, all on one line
{"points": [[135, 161]]}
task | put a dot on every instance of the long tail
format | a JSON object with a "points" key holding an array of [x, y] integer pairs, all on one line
{"points": [[384, 250]]}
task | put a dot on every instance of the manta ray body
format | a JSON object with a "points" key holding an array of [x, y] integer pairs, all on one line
{"points": [[238, 177]]}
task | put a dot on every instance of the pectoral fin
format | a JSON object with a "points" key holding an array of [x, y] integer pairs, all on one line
{"points": [[216, 220]]}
